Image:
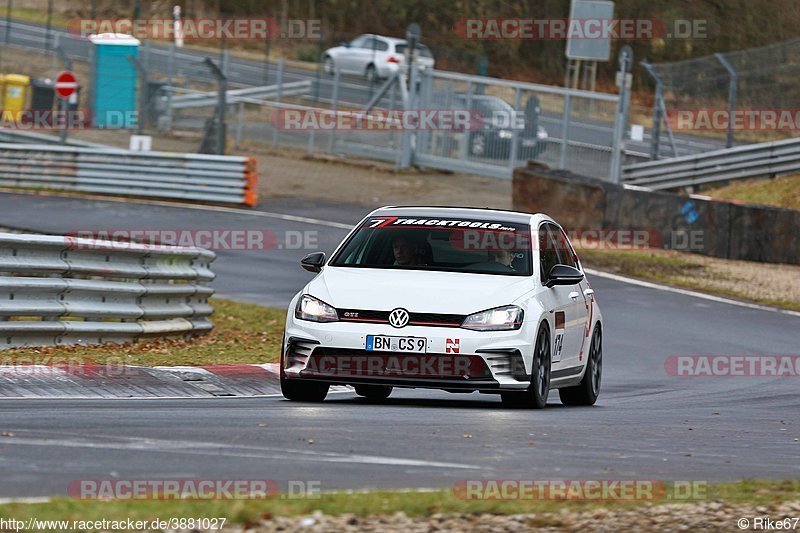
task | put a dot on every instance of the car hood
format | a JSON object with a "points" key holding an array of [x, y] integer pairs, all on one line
{"points": [[415, 290]]}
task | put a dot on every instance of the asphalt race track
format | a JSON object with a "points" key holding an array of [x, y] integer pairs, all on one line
{"points": [[647, 424]]}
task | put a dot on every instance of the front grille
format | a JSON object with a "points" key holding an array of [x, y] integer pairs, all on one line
{"points": [[414, 319], [342, 362]]}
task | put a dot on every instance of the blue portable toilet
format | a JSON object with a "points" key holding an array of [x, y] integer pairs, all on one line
{"points": [[113, 80]]}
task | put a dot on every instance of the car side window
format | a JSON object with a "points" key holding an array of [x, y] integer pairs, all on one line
{"points": [[565, 253], [359, 42], [380, 46], [548, 254]]}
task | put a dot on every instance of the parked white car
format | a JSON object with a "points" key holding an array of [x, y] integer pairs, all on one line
{"points": [[373, 56], [458, 299]]}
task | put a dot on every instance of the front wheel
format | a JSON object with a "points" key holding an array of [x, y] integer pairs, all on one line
{"points": [[535, 397], [586, 392], [371, 74], [303, 391]]}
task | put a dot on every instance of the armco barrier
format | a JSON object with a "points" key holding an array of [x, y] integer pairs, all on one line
{"points": [[65, 290], [692, 223], [758, 160], [207, 178]]}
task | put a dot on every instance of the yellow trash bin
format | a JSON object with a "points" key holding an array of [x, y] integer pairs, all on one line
{"points": [[15, 91]]}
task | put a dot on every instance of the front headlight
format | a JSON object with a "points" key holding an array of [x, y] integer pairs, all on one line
{"points": [[310, 308], [497, 319], [505, 134]]}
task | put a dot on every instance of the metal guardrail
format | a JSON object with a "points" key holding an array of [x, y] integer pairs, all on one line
{"points": [[209, 178], [750, 161], [192, 99], [31, 137], [65, 290]]}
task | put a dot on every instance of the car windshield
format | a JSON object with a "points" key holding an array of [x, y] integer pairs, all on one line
{"points": [[439, 243]]}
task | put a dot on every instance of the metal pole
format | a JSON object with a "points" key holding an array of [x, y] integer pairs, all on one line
{"points": [[408, 154], [621, 120], [464, 148], [334, 103], [562, 162], [656, 133], [141, 97], [8, 20], [48, 26], [275, 132], [170, 63], [733, 80], [222, 88], [239, 120], [512, 158]]}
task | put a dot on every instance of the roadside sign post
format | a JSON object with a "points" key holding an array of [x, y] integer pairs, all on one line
{"points": [[66, 84]]}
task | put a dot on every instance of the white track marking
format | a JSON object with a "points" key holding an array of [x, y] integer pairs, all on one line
{"points": [[219, 449], [687, 292]]}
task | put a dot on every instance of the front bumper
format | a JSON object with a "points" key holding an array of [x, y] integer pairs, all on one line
{"points": [[456, 358]]}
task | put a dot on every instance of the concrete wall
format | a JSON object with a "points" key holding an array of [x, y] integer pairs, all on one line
{"points": [[692, 223]]}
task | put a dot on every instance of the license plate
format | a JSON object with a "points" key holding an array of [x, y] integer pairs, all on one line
{"points": [[385, 343]]}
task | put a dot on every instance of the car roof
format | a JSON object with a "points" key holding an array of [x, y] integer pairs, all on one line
{"points": [[393, 40], [499, 215]]}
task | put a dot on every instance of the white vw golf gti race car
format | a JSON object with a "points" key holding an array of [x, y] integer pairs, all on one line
{"points": [[457, 299]]}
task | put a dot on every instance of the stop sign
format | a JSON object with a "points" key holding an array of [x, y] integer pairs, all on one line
{"points": [[66, 84]]}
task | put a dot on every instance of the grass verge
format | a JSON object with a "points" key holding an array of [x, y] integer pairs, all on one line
{"points": [[243, 333], [743, 280], [412, 503], [779, 192]]}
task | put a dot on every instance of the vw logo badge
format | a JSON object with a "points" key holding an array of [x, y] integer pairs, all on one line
{"points": [[398, 318]]}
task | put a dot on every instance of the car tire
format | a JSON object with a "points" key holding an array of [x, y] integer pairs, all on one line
{"points": [[535, 397], [477, 145], [586, 392], [328, 67], [303, 391], [371, 74], [374, 392]]}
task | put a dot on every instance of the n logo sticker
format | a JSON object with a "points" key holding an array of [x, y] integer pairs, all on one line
{"points": [[452, 345]]}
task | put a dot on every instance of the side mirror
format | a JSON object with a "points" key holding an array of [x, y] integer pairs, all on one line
{"points": [[313, 262], [563, 275], [345, 44]]}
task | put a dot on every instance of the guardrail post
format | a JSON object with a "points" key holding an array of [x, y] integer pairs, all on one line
{"points": [[733, 79]]}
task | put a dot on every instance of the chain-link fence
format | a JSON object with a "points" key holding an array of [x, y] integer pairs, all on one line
{"points": [[760, 80]]}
